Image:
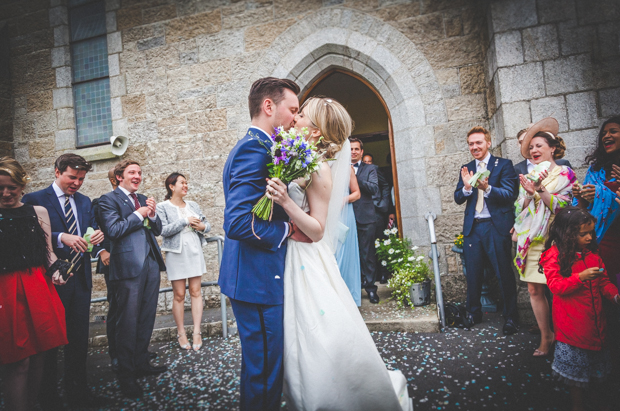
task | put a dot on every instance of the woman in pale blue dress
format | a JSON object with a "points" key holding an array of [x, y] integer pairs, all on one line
{"points": [[348, 256]]}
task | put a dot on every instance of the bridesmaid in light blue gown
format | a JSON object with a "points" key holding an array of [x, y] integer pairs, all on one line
{"points": [[348, 256]]}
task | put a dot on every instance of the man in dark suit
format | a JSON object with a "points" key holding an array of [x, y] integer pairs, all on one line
{"points": [[135, 263], [382, 202], [366, 217], [71, 215], [526, 166], [489, 216]]}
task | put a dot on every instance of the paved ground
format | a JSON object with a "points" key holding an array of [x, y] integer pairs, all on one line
{"points": [[457, 370]]}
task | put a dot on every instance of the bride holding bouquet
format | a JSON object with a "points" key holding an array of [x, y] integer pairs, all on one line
{"points": [[330, 359]]}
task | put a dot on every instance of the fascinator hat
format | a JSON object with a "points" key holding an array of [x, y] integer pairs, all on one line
{"points": [[547, 125]]}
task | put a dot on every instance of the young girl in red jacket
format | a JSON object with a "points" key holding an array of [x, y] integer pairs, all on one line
{"points": [[577, 278]]}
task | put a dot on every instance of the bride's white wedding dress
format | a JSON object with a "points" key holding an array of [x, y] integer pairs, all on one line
{"points": [[330, 360]]}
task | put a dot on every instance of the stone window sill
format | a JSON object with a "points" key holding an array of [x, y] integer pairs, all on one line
{"points": [[97, 153]]}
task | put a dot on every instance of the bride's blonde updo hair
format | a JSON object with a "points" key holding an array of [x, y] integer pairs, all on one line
{"points": [[332, 119]]}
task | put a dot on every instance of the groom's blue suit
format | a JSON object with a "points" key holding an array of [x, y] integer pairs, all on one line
{"points": [[252, 270]]}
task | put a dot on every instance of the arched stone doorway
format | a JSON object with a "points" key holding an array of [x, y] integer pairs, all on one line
{"points": [[373, 124], [389, 63]]}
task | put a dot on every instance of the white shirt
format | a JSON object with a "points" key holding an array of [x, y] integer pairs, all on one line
{"points": [[485, 211], [530, 165], [285, 224], [133, 204], [358, 166], [62, 197]]}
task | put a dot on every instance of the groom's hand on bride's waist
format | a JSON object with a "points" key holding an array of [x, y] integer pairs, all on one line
{"points": [[296, 234]]}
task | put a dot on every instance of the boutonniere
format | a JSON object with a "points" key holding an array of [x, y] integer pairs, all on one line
{"points": [[146, 223]]}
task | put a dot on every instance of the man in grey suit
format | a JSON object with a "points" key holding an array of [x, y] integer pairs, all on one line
{"points": [[135, 264], [526, 166], [366, 217]]}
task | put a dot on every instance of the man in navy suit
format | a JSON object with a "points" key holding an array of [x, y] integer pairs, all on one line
{"points": [[252, 269], [71, 215], [131, 225], [489, 216]]}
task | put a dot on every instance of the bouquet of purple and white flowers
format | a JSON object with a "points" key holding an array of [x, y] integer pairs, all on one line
{"points": [[292, 157]]}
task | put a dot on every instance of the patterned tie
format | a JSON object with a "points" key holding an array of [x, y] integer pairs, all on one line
{"points": [[72, 229], [480, 201], [135, 200]]}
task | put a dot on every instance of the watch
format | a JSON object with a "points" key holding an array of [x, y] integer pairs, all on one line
{"points": [[540, 190]]}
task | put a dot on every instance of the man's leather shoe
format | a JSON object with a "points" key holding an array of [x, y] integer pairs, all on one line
{"points": [[151, 370], [383, 280], [472, 320], [510, 327], [130, 388], [152, 355], [374, 298]]}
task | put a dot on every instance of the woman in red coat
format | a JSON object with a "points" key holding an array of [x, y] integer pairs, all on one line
{"points": [[576, 276], [32, 317]]}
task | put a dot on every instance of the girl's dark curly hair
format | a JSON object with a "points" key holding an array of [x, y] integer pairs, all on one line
{"points": [[600, 158], [563, 232]]}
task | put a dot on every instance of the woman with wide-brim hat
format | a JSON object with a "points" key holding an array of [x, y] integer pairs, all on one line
{"points": [[542, 192]]}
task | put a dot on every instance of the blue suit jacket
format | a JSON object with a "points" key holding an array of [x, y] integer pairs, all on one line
{"points": [[130, 241], [86, 218], [252, 269], [500, 201]]}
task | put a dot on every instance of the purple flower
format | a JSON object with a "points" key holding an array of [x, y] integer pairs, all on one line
{"points": [[278, 138]]}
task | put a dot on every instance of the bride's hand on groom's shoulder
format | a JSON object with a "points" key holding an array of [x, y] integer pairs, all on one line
{"points": [[277, 191]]}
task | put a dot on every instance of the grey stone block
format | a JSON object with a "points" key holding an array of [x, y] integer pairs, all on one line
{"points": [[115, 44], [513, 14], [220, 45], [541, 43], [555, 10], [66, 118], [610, 102], [63, 97], [151, 43], [58, 16], [523, 82], [117, 86], [230, 94], [516, 117], [61, 56], [550, 107], [116, 108], [568, 74], [65, 139], [63, 77], [110, 21], [576, 39], [112, 4], [114, 68], [61, 35], [119, 127], [581, 110], [509, 50]]}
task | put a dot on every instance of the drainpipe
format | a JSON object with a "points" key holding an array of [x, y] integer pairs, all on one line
{"points": [[430, 216]]}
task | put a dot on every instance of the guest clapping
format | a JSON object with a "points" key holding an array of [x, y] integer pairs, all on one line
{"points": [[601, 187], [183, 229], [542, 194], [32, 318]]}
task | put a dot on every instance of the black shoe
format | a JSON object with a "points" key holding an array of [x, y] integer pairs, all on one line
{"points": [[471, 320], [383, 280], [510, 327], [84, 398], [151, 370], [374, 298], [130, 388], [152, 355], [114, 364]]}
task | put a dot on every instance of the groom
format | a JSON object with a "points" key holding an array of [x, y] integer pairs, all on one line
{"points": [[252, 269]]}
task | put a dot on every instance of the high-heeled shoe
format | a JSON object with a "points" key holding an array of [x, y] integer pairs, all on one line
{"points": [[197, 347], [183, 346]]}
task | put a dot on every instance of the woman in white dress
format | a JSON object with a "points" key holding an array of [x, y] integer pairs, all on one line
{"points": [[183, 230], [330, 359]]}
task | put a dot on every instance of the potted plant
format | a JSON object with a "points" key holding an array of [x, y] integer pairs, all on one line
{"points": [[410, 282]]}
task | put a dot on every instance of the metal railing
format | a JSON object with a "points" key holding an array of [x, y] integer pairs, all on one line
{"points": [[430, 216], [220, 246]]}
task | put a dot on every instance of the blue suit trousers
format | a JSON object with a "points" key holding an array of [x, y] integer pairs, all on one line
{"points": [[262, 341], [486, 247]]}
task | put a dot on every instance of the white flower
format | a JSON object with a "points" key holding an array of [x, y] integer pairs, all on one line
{"points": [[377, 244], [420, 258], [394, 230], [387, 242], [383, 263], [411, 258], [415, 247], [386, 232], [391, 251], [400, 259]]}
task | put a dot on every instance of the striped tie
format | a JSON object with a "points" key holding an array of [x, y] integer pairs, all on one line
{"points": [[72, 229]]}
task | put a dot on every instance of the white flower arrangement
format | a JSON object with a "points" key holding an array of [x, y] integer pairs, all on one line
{"points": [[387, 242]]}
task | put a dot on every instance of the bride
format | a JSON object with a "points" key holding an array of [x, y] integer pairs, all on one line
{"points": [[330, 359]]}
